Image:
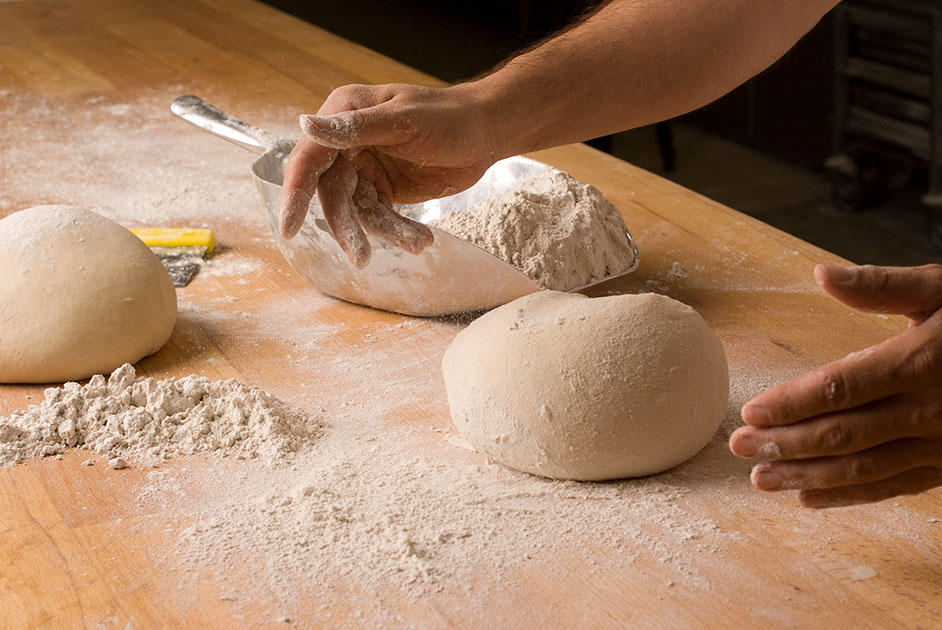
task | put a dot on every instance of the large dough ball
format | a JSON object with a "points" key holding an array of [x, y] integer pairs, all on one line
{"points": [[570, 387], [79, 295]]}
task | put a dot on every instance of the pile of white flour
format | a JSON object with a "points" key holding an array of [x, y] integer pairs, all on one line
{"points": [[149, 421], [561, 233]]}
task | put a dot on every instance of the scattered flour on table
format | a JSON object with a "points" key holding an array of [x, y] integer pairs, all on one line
{"points": [[378, 509], [228, 264], [134, 161], [863, 572], [231, 266], [146, 420], [677, 271], [375, 517], [561, 233]]}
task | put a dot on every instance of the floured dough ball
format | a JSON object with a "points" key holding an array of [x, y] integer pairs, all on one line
{"points": [[79, 295], [570, 387]]}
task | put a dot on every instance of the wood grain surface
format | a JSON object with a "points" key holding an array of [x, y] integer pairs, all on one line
{"points": [[75, 552]]}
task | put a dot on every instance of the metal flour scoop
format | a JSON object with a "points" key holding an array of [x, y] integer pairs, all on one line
{"points": [[451, 276]]}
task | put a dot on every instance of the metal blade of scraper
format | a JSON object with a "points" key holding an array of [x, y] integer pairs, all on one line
{"points": [[182, 263]]}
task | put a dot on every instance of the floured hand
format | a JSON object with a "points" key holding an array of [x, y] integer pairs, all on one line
{"points": [[371, 146], [866, 427]]}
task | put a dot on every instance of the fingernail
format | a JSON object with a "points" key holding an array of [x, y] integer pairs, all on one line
{"points": [[293, 211], [420, 237], [361, 257], [764, 478], [359, 251], [812, 499], [309, 121], [744, 446], [840, 275], [756, 415]]}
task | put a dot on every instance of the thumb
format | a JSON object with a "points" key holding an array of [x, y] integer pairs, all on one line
{"points": [[372, 126], [912, 291]]}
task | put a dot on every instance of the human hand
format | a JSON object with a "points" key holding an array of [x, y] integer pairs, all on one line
{"points": [[866, 427], [371, 146]]}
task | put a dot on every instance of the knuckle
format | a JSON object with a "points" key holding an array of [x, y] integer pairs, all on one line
{"points": [[405, 91], [355, 89], [933, 274], [924, 361], [353, 95], [835, 388], [878, 276], [835, 438], [927, 418], [859, 470]]}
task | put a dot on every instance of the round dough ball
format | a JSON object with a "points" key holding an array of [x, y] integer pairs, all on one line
{"points": [[570, 387], [79, 295]]}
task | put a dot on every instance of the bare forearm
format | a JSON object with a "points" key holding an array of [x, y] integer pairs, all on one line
{"points": [[636, 62]]}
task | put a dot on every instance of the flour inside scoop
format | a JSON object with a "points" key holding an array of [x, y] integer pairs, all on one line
{"points": [[558, 231]]}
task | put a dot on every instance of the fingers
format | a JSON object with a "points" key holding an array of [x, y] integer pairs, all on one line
{"points": [[833, 434], [855, 430], [865, 467], [335, 189], [310, 159], [380, 125], [910, 482], [901, 363], [352, 204], [912, 291], [857, 379], [379, 219], [307, 162]]}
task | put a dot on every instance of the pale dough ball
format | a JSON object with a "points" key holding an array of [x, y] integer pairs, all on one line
{"points": [[570, 387], [79, 295]]}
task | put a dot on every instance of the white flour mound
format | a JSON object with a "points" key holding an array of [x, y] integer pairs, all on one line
{"points": [[150, 421], [561, 233]]}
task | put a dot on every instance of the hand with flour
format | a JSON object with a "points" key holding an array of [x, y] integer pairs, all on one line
{"points": [[629, 64], [370, 146], [866, 427]]}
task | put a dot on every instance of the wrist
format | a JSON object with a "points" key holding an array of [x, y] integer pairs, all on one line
{"points": [[501, 117]]}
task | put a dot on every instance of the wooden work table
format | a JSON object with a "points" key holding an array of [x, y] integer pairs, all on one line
{"points": [[75, 73]]}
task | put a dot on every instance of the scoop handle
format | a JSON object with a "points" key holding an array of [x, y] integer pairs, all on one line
{"points": [[195, 110]]}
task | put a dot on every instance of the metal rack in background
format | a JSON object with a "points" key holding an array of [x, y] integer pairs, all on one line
{"points": [[888, 103]]}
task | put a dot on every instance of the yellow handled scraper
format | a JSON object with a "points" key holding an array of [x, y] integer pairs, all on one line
{"points": [[181, 250]]}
